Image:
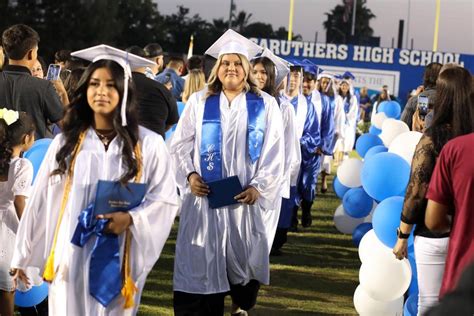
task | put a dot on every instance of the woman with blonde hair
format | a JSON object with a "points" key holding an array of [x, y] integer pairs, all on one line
{"points": [[195, 81], [231, 128]]}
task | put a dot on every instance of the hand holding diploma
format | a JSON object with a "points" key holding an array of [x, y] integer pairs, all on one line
{"points": [[118, 222]]}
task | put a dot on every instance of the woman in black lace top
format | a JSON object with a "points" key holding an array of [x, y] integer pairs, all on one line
{"points": [[452, 118]]}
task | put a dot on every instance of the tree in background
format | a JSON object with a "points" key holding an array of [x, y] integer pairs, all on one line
{"points": [[121, 23], [339, 24]]}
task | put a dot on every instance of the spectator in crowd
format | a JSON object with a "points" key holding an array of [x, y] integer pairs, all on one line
{"points": [[453, 118], [39, 68], [194, 63], [154, 52], [19, 90], [429, 90], [73, 80], [365, 105], [450, 199], [194, 82], [2, 58], [61, 57], [157, 109], [174, 69], [384, 95]]}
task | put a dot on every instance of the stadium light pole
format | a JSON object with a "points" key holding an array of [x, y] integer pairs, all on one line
{"points": [[230, 13], [290, 23], [436, 30], [354, 9]]}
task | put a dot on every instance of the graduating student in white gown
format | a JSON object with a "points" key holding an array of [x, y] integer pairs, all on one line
{"points": [[219, 249], [347, 102], [269, 72], [107, 152]]}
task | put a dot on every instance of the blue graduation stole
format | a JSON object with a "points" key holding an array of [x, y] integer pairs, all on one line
{"points": [[211, 143]]}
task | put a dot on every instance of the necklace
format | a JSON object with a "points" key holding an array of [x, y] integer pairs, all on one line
{"points": [[106, 136]]}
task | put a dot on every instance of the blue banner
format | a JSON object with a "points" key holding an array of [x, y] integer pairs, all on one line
{"points": [[400, 69]]}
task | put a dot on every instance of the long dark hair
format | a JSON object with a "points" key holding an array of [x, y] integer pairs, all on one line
{"points": [[269, 66], [79, 116], [453, 108], [13, 135], [348, 96]]}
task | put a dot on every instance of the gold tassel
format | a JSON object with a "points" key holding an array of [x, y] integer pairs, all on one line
{"points": [[128, 292], [48, 274]]}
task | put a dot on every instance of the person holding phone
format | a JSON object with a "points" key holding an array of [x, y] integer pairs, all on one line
{"points": [[428, 90], [19, 90]]}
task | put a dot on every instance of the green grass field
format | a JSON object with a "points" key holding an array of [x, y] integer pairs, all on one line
{"points": [[317, 274]]}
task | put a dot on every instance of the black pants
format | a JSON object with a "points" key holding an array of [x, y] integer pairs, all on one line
{"points": [[39, 310], [188, 304], [281, 236]]}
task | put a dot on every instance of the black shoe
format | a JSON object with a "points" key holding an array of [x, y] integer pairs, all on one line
{"points": [[306, 220], [324, 190]]}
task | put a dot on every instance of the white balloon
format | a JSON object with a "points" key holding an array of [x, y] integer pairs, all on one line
{"points": [[365, 305], [385, 278], [370, 246], [404, 145], [345, 223], [378, 119], [391, 128], [349, 171]]}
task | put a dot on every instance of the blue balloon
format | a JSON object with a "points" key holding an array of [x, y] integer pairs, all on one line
{"points": [[339, 188], [411, 306], [357, 203], [33, 297], [391, 109], [170, 132], [374, 130], [359, 232], [385, 175], [386, 220], [36, 154], [366, 142], [375, 150]]}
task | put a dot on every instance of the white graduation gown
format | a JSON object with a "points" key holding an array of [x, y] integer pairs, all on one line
{"points": [[152, 221], [229, 244], [349, 123], [291, 167]]}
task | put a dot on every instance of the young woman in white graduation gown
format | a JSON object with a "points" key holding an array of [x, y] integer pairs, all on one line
{"points": [[225, 249], [350, 107], [96, 145]]}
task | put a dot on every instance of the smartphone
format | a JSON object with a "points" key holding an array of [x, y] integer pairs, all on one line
{"points": [[422, 106], [54, 71]]}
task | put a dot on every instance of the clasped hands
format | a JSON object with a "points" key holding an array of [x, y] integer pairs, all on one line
{"points": [[199, 188]]}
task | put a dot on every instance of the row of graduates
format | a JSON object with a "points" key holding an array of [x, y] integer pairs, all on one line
{"points": [[231, 128]]}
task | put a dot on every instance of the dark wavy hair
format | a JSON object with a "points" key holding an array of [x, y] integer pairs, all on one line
{"points": [[453, 108], [79, 116], [11, 136], [431, 75], [269, 66]]}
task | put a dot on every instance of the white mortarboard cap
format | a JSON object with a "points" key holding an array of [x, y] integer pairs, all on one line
{"points": [[326, 74], [232, 42], [281, 65], [126, 60]]}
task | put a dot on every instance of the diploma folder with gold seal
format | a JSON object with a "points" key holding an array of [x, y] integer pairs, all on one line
{"points": [[112, 196]]}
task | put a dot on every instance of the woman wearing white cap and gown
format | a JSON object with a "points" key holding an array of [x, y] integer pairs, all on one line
{"points": [[98, 267], [347, 101], [228, 129], [270, 72]]}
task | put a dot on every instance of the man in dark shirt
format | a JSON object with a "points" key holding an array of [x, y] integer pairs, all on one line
{"points": [[157, 109], [21, 91], [173, 71]]}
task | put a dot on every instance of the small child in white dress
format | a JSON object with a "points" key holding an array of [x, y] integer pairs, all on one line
{"points": [[16, 136]]}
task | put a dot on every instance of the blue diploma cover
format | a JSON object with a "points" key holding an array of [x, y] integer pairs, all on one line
{"points": [[105, 280], [223, 192]]}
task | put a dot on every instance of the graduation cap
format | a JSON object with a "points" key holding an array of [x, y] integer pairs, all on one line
{"points": [[326, 74], [348, 75], [281, 66], [310, 67], [127, 60], [232, 42]]}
